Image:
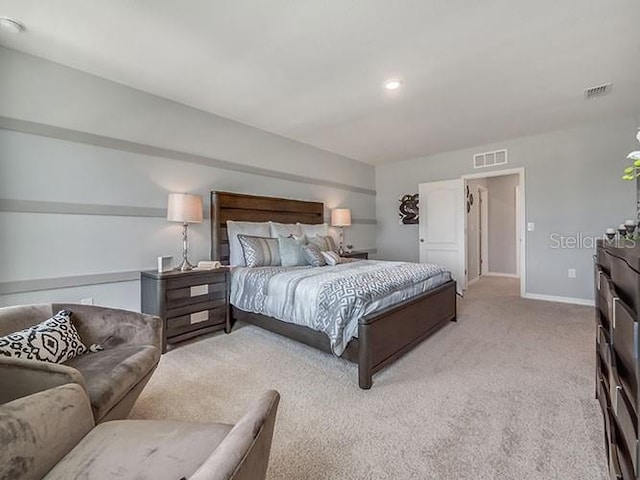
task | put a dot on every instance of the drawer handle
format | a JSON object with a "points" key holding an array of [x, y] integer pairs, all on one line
{"points": [[198, 290], [199, 317]]}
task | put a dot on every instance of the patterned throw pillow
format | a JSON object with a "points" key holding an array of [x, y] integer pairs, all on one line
{"points": [[332, 258], [324, 242], [260, 251], [291, 250], [313, 255], [55, 340]]}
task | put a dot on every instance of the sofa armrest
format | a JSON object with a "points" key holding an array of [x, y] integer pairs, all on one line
{"points": [[38, 430], [111, 327], [20, 377]]}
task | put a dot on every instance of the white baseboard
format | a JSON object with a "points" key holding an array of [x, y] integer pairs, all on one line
{"points": [[553, 298], [496, 274]]}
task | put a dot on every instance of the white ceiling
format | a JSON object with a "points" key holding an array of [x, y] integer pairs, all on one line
{"points": [[312, 70]]}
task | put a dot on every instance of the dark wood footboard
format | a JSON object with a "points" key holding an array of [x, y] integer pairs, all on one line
{"points": [[388, 334], [382, 336]]}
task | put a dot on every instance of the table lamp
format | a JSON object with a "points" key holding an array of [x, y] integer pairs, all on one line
{"points": [[184, 208], [341, 217]]}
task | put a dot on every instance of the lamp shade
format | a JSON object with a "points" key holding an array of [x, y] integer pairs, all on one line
{"points": [[184, 208], [340, 217]]}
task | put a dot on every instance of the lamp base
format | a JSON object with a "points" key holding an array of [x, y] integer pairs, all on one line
{"points": [[185, 266]]}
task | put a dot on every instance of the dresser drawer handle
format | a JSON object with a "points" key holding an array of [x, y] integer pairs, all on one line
{"points": [[199, 290], [199, 317]]}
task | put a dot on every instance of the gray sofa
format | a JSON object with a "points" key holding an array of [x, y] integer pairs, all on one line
{"points": [[113, 378], [51, 435]]}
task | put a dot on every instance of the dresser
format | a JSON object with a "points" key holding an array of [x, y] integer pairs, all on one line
{"points": [[617, 285], [190, 303]]}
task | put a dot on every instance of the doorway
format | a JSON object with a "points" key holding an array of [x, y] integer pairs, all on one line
{"points": [[472, 231], [494, 225]]}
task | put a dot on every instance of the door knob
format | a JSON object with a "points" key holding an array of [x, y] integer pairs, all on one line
{"points": [[422, 240]]}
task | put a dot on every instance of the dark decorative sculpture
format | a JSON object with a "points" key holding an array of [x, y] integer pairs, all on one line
{"points": [[409, 214]]}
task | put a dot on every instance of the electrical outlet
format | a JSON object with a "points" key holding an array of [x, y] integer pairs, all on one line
{"points": [[87, 301], [572, 273], [531, 226]]}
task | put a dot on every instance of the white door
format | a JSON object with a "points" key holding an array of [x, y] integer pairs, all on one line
{"points": [[442, 216]]}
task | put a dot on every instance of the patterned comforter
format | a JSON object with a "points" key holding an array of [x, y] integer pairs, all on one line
{"points": [[331, 299]]}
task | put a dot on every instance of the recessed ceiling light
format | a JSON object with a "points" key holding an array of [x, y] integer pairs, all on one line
{"points": [[393, 84], [10, 25]]}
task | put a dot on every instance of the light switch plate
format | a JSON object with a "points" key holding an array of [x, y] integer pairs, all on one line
{"points": [[531, 226]]}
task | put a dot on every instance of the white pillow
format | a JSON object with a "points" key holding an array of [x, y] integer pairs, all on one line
{"points": [[332, 258], [313, 230], [253, 229], [284, 229]]}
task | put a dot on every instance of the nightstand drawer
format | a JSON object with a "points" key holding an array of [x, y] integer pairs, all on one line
{"points": [[199, 279], [195, 320], [195, 307], [179, 297]]}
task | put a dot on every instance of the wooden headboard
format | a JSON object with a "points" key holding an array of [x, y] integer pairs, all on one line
{"points": [[252, 208]]}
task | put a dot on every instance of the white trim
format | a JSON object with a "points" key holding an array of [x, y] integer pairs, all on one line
{"points": [[498, 274], [523, 218], [553, 298], [483, 226]]}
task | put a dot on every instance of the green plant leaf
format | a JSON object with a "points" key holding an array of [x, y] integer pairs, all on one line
{"points": [[628, 170]]}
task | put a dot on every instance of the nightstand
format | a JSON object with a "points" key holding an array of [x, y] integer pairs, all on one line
{"points": [[190, 303], [362, 255]]}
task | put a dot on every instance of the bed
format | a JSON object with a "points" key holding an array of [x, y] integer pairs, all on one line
{"points": [[382, 336]]}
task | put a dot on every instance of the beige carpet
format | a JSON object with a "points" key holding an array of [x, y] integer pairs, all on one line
{"points": [[504, 393]]}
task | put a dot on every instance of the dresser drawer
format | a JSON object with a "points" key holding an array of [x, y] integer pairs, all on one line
{"points": [[627, 282], [603, 260], [625, 418], [607, 294], [179, 297], [603, 347], [624, 340]]}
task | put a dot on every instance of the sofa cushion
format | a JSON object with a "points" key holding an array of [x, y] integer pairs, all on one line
{"points": [[110, 374], [55, 340], [141, 449]]}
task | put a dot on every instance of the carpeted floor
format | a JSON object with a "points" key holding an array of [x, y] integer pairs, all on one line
{"points": [[504, 393]]}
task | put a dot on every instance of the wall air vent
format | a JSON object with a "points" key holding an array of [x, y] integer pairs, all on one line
{"points": [[597, 91], [490, 159]]}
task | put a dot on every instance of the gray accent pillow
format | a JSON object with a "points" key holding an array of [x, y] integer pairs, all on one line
{"points": [[55, 340], [260, 251], [313, 255], [324, 242], [252, 229], [291, 250]]}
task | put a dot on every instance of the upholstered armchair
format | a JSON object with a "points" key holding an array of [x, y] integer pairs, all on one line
{"points": [[113, 377], [51, 435]]}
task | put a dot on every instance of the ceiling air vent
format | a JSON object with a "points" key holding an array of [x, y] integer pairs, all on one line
{"points": [[490, 159], [597, 91]]}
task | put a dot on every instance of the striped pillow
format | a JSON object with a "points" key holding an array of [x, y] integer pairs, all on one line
{"points": [[260, 251], [324, 242]]}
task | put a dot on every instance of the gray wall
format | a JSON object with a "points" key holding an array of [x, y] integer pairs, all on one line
{"points": [[86, 165], [572, 187], [502, 224]]}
